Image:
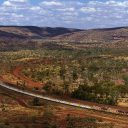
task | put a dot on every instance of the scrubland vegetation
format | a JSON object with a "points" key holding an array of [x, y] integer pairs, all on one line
{"points": [[94, 74], [98, 75], [13, 114]]}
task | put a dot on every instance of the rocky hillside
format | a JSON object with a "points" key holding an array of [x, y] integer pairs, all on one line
{"points": [[64, 34], [96, 35], [16, 38], [32, 32]]}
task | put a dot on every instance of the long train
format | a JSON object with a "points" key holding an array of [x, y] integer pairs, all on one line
{"points": [[93, 107]]}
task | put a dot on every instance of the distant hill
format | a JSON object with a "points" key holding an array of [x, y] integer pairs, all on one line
{"points": [[26, 37], [96, 35], [32, 32], [8, 35], [66, 34]]}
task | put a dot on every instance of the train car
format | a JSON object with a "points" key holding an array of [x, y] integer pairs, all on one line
{"points": [[96, 107], [120, 111], [104, 108]]}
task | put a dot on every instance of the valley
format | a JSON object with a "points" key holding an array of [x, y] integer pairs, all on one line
{"points": [[87, 72]]}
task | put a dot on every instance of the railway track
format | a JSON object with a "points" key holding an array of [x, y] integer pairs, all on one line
{"points": [[64, 102], [2, 84]]}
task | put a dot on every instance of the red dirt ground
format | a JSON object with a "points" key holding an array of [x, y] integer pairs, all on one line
{"points": [[18, 73]]}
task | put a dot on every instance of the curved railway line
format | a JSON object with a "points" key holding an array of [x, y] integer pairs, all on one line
{"points": [[64, 102], [72, 102], [2, 84]]}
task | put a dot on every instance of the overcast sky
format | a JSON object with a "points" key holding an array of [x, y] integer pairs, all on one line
{"points": [[65, 13]]}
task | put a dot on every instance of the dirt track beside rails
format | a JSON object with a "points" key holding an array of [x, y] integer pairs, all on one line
{"points": [[18, 73], [108, 117]]}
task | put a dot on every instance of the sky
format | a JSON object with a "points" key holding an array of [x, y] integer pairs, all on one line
{"points": [[83, 14]]}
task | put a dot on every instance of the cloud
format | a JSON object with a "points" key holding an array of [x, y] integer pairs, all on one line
{"points": [[7, 3], [12, 3], [66, 13], [51, 3], [70, 9], [35, 8], [117, 3], [110, 3], [18, 1], [87, 9]]}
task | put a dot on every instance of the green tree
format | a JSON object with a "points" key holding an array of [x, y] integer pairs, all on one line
{"points": [[70, 121], [36, 102]]}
